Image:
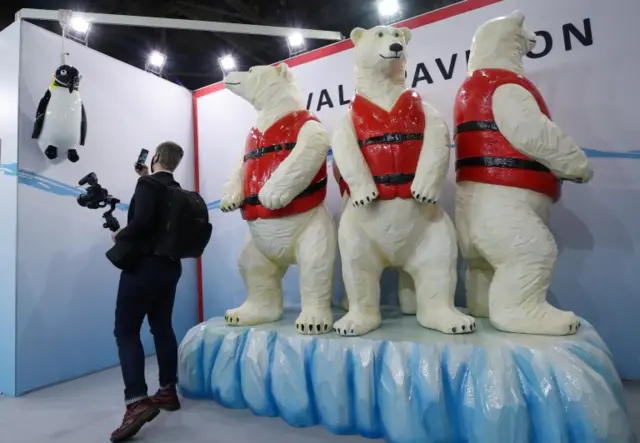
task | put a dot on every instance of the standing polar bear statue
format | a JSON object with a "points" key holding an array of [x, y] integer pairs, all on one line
{"points": [[280, 188], [510, 163], [392, 150]]}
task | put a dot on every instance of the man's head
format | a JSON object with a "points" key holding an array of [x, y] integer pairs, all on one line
{"points": [[167, 157]]}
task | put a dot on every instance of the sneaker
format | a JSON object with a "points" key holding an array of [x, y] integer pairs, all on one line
{"points": [[166, 399], [137, 415]]}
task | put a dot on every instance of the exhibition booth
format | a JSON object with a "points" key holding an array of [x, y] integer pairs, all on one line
{"points": [[400, 382]]}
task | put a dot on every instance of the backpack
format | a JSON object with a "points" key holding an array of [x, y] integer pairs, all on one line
{"points": [[184, 229]]}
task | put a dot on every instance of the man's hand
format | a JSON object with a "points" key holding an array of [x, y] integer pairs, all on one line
{"points": [[114, 234], [141, 170]]}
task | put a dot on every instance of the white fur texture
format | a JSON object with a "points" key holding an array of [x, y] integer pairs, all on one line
{"points": [[403, 233], [272, 245], [62, 122], [406, 288], [503, 231]]}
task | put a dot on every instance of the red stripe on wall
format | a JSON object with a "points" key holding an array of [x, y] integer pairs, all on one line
{"points": [[335, 48], [196, 163]]}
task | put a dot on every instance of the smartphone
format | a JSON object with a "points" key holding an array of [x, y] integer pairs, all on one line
{"points": [[142, 159]]}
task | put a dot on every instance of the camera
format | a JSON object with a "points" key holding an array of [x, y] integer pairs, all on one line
{"points": [[97, 197]]}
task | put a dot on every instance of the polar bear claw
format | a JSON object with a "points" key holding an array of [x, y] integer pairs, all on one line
{"points": [[314, 321], [356, 323], [447, 320], [249, 314], [364, 198], [231, 202]]}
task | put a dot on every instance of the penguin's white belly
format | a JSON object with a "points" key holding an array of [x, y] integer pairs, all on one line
{"points": [[62, 121]]}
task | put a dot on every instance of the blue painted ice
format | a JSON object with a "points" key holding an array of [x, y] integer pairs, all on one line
{"points": [[409, 385]]}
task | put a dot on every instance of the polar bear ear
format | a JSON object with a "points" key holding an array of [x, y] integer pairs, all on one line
{"points": [[407, 34], [356, 35], [518, 17], [283, 70]]}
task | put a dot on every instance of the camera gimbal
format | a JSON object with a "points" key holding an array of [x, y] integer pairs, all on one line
{"points": [[97, 197]]}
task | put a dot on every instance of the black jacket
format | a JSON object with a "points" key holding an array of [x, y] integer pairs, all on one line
{"points": [[144, 210]]}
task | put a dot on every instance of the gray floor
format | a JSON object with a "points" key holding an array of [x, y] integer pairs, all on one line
{"points": [[87, 410]]}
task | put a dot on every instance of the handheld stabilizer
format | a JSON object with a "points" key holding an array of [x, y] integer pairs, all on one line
{"points": [[97, 197]]}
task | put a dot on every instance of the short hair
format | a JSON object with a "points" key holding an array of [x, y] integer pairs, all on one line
{"points": [[169, 155]]}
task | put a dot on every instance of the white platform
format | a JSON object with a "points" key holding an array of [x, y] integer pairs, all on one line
{"points": [[407, 384]]}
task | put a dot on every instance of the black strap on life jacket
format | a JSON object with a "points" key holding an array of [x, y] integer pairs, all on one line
{"points": [[253, 200], [476, 125], [391, 137], [501, 162], [394, 179], [493, 162], [264, 150], [390, 179]]}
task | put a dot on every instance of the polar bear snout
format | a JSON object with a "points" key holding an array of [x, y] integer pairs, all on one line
{"points": [[532, 39], [396, 50], [396, 47], [237, 83]]}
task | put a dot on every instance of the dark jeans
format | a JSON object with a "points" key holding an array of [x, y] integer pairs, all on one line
{"points": [[149, 290]]}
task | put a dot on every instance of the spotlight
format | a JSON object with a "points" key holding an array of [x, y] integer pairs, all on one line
{"points": [[156, 59], [296, 43], [77, 27], [155, 62], [388, 10], [79, 24], [227, 63]]}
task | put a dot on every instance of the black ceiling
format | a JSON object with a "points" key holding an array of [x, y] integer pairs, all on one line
{"points": [[192, 56]]}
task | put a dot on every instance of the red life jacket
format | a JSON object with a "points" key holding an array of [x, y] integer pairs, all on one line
{"points": [[343, 186], [390, 141], [483, 154], [264, 153]]}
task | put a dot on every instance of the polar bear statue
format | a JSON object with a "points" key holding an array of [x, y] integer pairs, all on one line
{"points": [[406, 289], [510, 163], [280, 188], [393, 153]]}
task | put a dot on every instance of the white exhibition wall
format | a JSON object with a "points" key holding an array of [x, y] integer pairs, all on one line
{"points": [[66, 287], [586, 70], [9, 62]]}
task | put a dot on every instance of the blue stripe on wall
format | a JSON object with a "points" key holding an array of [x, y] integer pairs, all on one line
{"points": [[59, 188]]}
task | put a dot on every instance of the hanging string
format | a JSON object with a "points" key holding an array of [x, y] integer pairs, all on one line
{"points": [[63, 55]]}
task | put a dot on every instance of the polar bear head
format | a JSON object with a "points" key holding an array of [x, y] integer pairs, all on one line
{"points": [[265, 86], [501, 42], [381, 51]]}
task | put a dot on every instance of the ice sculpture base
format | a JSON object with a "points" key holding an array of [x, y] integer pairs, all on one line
{"points": [[409, 385]]}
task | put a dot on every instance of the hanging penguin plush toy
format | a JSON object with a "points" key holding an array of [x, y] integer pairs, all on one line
{"points": [[61, 122]]}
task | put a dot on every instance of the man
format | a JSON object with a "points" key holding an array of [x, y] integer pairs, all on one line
{"points": [[148, 290]]}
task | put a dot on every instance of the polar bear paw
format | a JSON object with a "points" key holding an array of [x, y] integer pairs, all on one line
{"points": [[357, 323], [543, 319], [250, 315], [313, 321], [447, 320], [425, 192], [231, 201], [273, 198], [364, 195]]}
